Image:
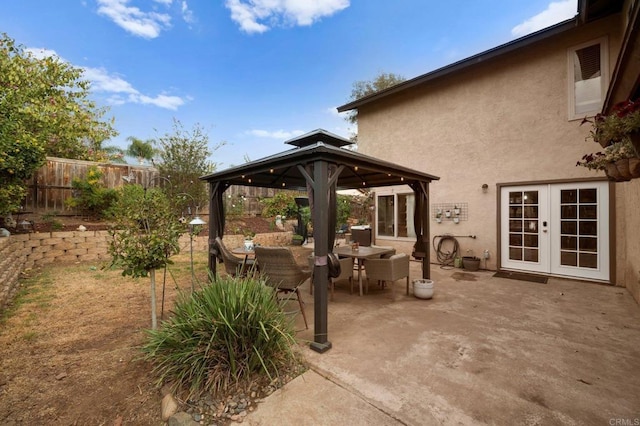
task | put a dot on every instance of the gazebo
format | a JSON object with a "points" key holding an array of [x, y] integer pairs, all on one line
{"points": [[320, 164]]}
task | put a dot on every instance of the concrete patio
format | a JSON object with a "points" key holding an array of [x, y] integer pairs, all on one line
{"points": [[484, 350]]}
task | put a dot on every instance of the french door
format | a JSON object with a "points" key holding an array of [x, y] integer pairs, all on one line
{"points": [[559, 229]]}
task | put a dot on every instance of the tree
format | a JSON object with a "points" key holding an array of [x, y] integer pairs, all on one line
{"points": [[364, 88], [44, 110], [146, 235], [142, 150], [183, 158]]}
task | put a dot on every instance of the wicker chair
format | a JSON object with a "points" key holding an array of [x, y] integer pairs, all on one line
{"points": [[361, 236], [234, 265], [281, 271], [346, 272], [391, 269]]}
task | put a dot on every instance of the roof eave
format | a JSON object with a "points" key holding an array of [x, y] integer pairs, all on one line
{"points": [[466, 63]]}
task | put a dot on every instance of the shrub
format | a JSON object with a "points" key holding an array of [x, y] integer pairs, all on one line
{"points": [[222, 335], [91, 195], [283, 204]]}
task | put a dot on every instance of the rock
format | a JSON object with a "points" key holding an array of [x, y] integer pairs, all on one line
{"points": [[61, 376], [181, 419], [82, 228], [169, 407], [118, 421]]}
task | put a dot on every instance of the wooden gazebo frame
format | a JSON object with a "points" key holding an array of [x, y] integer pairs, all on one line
{"points": [[320, 164]]}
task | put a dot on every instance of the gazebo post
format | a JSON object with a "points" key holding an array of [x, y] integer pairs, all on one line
{"points": [[213, 229], [426, 260], [321, 249]]}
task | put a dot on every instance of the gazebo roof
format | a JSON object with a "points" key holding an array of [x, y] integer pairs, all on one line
{"points": [[281, 170]]}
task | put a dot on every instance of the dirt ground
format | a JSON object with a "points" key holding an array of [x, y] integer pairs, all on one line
{"points": [[69, 345], [68, 353]]}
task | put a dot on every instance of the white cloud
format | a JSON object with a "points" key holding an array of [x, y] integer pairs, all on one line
{"points": [[556, 12], [134, 20], [278, 134], [162, 101], [114, 85], [41, 53], [257, 16], [187, 14], [102, 81]]}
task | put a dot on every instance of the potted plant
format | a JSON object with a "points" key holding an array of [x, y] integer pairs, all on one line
{"points": [[439, 216], [619, 134], [297, 239], [248, 240], [618, 160], [456, 210], [623, 123]]}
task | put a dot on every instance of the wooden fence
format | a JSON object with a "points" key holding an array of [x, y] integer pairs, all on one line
{"points": [[52, 183]]}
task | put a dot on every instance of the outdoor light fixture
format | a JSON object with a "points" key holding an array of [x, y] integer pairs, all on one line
{"points": [[25, 225], [485, 188], [195, 221]]}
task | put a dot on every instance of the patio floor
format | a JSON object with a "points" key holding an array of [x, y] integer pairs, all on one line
{"points": [[484, 350]]}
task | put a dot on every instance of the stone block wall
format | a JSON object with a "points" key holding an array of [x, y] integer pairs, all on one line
{"points": [[24, 251]]}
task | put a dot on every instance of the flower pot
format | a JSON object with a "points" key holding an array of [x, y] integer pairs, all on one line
{"points": [[248, 245], [471, 263], [423, 288], [456, 220], [634, 167], [439, 219], [635, 141], [623, 169], [613, 173]]}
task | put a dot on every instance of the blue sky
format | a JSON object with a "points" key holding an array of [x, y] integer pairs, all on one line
{"points": [[254, 73]]}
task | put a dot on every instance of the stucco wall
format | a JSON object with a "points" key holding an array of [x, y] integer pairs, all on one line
{"points": [[505, 120], [628, 247]]}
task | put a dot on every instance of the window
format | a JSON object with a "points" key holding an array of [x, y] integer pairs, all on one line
{"points": [[588, 77], [394, 215]]}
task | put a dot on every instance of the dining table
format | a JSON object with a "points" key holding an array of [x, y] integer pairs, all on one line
{"points": [[360, 255]]}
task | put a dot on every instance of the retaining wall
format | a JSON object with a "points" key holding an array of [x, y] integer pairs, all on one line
{"points": [[24, 251]]}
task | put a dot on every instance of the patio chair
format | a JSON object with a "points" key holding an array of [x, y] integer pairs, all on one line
{"points": [[386, 255], [281, 271], [234, 265], [391, 269], [346, 272]]}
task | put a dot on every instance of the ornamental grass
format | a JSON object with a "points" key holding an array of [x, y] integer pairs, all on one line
{"points": [[230, 332]]}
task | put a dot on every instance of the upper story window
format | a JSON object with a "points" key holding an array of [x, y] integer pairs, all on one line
{"points": [[588, 78]]}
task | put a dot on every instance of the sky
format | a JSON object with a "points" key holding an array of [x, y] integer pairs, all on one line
{"points": [[255, 73]]}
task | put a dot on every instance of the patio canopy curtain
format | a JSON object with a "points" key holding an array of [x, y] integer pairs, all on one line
{"points": [[216, 219], [419, 221]]}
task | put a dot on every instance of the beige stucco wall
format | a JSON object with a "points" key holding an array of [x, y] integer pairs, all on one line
{"points": [[505, 120], [628, 241]]}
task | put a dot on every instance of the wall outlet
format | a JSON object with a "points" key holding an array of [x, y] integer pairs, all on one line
{"points": [[486, 254]]}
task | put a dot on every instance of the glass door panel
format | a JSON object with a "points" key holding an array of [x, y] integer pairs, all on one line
{"points": [[581, 247], [523, 232]]}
